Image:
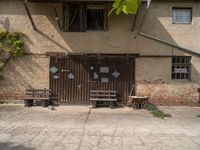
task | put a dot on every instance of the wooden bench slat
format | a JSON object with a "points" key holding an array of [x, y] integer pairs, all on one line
{"points": [[97, 99], [31, 98], [38, 94], [102, 95], [98, 91]]}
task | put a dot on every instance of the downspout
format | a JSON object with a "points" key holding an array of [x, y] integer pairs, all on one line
{"points": [[29, 15], [190, 51]]}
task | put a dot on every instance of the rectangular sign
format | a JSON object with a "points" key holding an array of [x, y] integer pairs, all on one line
{"points": [[104, 80], [104, 69], [180, 70]]}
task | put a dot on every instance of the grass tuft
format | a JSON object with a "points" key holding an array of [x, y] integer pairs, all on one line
{"points": [[160, 114], [2, 102], [1, 77], [151, 107], [156, 112]]}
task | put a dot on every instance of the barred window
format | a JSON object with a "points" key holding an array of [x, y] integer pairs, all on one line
{"points": [[181, 67], [182, 15]]}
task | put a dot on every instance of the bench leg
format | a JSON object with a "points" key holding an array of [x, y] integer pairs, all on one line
{"points": [[112, 104], [94, 104], [44, 103], [28, 103]]}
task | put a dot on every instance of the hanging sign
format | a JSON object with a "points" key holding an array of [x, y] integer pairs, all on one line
{"points": [[53, 69], [104, 69], [71, 76], [116, 74], [56, 77], [104, 80], [95, 76]]}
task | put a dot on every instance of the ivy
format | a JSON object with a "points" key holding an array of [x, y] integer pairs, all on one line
{"points": [[11, 45]]}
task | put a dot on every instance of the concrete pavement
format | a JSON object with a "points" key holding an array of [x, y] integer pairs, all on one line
{"points": [[82, 128]]}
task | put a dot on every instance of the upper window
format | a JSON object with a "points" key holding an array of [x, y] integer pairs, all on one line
{"points": [[182, 15], [82, 17], [181, 67], [95, 18]]}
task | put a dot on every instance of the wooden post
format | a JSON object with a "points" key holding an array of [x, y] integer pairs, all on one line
{"points": [[29, 15]]}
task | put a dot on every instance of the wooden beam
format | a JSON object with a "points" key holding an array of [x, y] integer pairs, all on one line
{"points": [[62, 54], [29, 15]]}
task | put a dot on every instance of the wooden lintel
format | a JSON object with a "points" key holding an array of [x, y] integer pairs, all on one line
{"points": [[62, 54], [104, 55], [157, 56], [55, 54]]}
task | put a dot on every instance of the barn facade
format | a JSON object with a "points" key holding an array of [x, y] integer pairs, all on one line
{"points": [[73, 47]]}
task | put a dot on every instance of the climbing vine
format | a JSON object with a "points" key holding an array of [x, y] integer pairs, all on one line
{"points": [[11, 45]]}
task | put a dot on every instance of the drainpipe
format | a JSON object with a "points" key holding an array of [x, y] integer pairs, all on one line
{"points": [[190, 51], [29, 14]]}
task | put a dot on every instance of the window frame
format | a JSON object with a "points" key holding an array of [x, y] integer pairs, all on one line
{"points": [[96, 7], [180, 64], [182, 23], [83, 16]]}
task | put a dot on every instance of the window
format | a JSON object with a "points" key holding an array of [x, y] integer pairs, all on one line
{"points": [[182, 15], [95, 18], [72, 17], [181, 67], [82, 17]]}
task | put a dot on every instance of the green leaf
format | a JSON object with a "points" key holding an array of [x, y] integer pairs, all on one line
{"points": [[125, 6], [132, 6], [125, 10]]}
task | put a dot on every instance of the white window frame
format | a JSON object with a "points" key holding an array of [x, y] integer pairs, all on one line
{"points": [[181, 10]]}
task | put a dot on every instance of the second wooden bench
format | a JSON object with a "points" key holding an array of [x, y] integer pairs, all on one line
{"points": [[103, 96]]}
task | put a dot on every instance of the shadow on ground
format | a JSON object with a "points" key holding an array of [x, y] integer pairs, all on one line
{"points": [[12, 146]]}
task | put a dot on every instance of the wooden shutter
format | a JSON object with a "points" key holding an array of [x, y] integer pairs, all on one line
{"points": [[83, 18], [106, 5], [65, 17]]}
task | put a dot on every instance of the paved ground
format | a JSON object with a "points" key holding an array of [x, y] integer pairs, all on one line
{"points": [[79, 128]]}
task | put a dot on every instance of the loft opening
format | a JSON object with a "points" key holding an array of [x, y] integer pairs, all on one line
{"points": [[85, 17]]}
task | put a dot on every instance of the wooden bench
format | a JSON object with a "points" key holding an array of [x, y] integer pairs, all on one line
{"points": [[103, 96], [42, 95]]}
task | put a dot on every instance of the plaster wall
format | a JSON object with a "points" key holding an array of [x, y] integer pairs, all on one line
{"points": [[153, 74]]}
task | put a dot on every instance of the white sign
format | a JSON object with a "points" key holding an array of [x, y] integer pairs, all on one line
{"points": [[180, 70], [104, 69], [104, 80]]}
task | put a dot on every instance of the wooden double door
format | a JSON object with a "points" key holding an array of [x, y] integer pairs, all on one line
{"points": [[72, 78]]}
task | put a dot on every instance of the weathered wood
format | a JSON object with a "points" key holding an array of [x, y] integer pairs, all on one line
{"points": [[77, 90], [103, 96], [43, 95], [103, 99]]}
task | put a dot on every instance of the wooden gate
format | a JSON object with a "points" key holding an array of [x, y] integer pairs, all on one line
{"points": [[71, 78]]}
